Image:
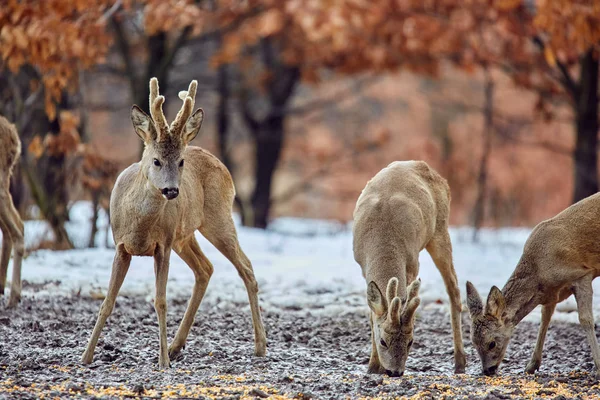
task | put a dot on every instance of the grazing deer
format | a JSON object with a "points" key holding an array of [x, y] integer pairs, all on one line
{"points": [[10, 221], [158, 203], [403, 210], [561, 257]]}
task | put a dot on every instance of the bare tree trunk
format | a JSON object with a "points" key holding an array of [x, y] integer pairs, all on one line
{"points": [[586, 109], [269, 142], [223, 123], [53, 173], [94, 220], [488, 133], [268, 132]]}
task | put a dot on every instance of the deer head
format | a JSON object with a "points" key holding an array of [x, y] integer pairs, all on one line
{"points": [[393, 323], [490, 332], [162, 162]]}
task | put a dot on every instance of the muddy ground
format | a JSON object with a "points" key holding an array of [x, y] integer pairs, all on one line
{"points": [[309, 356]]}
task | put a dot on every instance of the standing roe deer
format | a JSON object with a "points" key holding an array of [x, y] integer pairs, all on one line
{"points": [[10, 221], [561, 257], [401, 211], [157, 205]]}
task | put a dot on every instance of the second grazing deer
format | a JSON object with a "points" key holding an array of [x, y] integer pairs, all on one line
{"points": [[157, 205], [403, 210], [10, 221], [561, 257]]}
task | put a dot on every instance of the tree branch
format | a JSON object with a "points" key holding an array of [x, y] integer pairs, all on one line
{"points": [[111, 11], [177, 44], [566, 78], [252, 122], [125, 51], [336, 97]]}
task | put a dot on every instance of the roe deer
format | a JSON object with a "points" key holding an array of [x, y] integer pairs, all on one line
{"points": [[402, 210], [157, 204], [561, 257], [10, 221]]}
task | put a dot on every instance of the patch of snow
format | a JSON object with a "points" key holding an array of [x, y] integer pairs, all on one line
{"points": [[301, 265]]}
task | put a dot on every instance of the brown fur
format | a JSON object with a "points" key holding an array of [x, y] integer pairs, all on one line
{"points": [[561, 257], [145, 223], [403, 210], [10, 221]]}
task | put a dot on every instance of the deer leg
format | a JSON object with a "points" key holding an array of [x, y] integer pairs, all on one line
{"points": [[440, 249], [14, 227], [119, 270], [225, 240], [5, 255], [536, 358], [161, 270], [374, 364], [584, 296], [203, 269]]}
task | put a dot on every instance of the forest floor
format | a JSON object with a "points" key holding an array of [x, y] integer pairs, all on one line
{"points": [[309, 356]]}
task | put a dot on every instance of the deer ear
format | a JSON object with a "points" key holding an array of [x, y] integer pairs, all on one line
{"points": [[495, 303], [192, 126], [142, 124], [474, 301], [377, 302]]}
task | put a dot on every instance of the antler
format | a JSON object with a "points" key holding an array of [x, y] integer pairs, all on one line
{"points": [[393, 300], [402, 312], [412, 302], [186, 110], [156, 110]]}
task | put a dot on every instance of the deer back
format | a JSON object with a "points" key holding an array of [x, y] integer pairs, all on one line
{"points": [[10, 147], [395, 217], [564, 248]]}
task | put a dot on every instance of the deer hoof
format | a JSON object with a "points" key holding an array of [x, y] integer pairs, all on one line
{"points": [[459, 364], [86, 359], [175, 354], [260, 349], [533, 366]]}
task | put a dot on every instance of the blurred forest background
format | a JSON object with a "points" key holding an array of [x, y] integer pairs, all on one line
{"points": [[308, 99]]}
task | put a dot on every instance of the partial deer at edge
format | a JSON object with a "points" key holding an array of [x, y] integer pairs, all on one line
{"points": [[158, 203], [403, 210], [10, 221], [561, 257]]}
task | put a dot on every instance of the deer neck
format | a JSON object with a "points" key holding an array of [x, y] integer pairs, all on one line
{"points": [[385, 266], [521, 295]]}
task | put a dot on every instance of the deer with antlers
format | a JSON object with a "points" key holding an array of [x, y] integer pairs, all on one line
{"points": [[10, 221], [158, 203], [403, 210]]}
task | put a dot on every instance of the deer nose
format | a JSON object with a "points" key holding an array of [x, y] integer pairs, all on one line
{"points": [[170, 193], [395, 374], [491, 370]]}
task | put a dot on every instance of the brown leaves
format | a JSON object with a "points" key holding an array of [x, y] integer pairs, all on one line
{"points": [[36, 148], [171, 15], [57, 37], [270, 23], [99, 173], [569, 25], [67, 140]]}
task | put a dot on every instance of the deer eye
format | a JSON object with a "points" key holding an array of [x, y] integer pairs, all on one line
{"points": [[156, 162], [492, 345], [181, 164], [383, 343], [410, 343]]}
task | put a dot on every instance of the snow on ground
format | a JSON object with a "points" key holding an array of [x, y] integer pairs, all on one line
{"points": [[301, 265]]}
